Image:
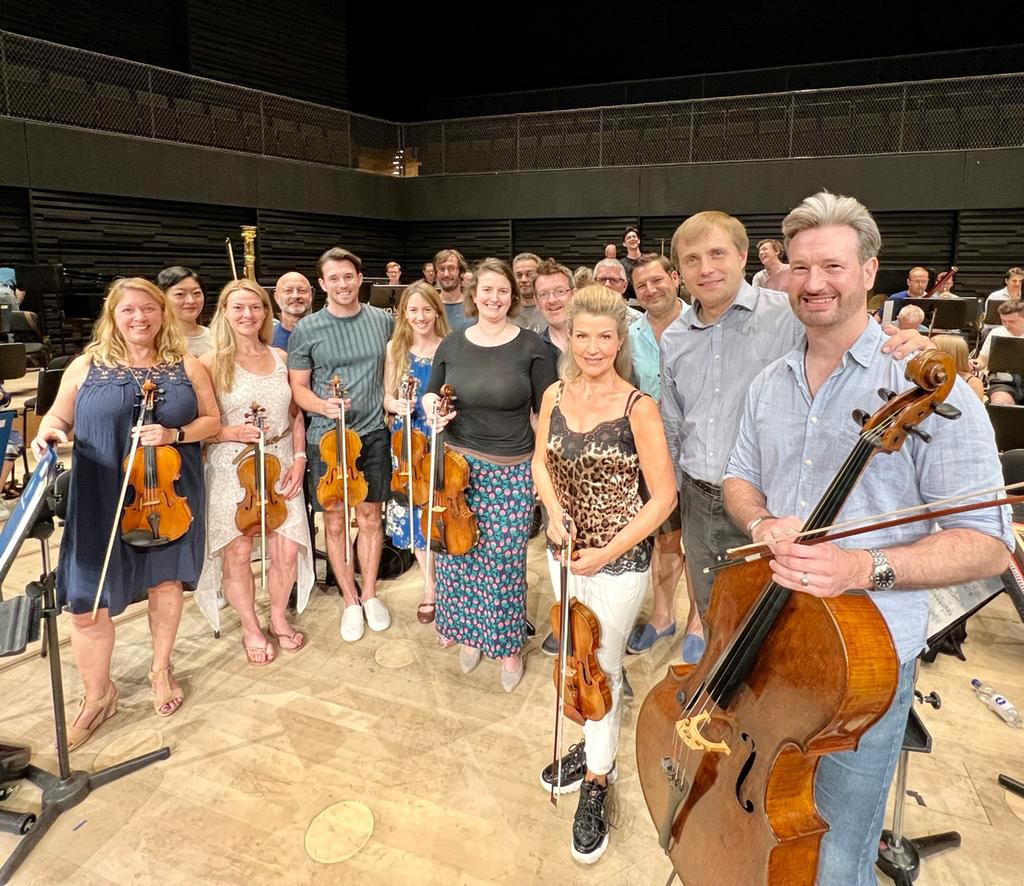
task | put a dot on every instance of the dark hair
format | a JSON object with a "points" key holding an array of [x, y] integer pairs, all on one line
{"points": [[635, 230], [497, 266], [651, 258], [173, 275], [336, 253], [549, 267], [775, 243], [1011, 306]]}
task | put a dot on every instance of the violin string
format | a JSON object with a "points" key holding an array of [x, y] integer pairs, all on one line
{"points": [[727, 664]]}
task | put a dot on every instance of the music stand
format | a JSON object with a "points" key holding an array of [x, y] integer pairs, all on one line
{"points": [[1006, 354], [1008, 426], [41, 502], [992, 312], [940, 313], [385, 296]]}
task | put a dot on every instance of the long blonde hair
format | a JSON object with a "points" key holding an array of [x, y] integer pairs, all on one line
{"points": [[600, 301], [402, 336], [223, 358], [108, 346], [956, 347]]}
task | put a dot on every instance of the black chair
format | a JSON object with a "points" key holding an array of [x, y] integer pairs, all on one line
{"points": [[1013, 472], [47, 385], [25, 331], [12, 362], [1008, 425], [900, 857]]}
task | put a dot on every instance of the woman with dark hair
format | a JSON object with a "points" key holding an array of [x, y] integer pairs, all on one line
{"points": [[183, 290], [136, 340], [498, 372]]}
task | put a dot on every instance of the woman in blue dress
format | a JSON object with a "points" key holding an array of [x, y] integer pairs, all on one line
{"points": [[420, 324], [136, 339]]}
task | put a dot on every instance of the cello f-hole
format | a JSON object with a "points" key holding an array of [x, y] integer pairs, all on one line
{"points": [[748, 764]]}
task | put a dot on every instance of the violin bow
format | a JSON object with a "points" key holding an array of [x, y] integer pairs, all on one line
{"points": [[120, 504], [340, 429], [410, 393], [263, 498], [565, 560], [430, 493]]}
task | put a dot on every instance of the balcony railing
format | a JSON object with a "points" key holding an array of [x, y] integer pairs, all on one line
{"points": [[59, 84]]}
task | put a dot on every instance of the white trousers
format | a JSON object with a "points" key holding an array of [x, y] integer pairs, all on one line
{"points": [[615, 601]]}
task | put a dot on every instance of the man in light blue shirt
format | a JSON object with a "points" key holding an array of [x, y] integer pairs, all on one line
{"points": [[796, 434]]}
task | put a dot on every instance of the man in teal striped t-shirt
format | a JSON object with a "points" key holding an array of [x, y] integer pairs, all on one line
{"points": [[347, 339]]}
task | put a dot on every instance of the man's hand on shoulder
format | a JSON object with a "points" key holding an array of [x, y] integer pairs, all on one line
{"points": [[904, 342]]}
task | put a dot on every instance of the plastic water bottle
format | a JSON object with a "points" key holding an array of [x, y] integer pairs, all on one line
{"points": [[999, 704]]}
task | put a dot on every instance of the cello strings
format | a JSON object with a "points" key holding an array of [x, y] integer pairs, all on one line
{"points": [[727, 663]]}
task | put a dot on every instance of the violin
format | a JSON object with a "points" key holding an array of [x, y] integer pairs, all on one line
{"points": [[262, 508], [727, 749], [409, 482], [447, 522], [343, 484], [582, 689], [157, 515]]}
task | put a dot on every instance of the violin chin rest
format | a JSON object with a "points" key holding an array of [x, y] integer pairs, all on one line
{"points": [[140, 538]]}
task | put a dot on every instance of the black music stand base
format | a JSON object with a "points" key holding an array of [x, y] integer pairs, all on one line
{"points": [[902, 862], [67, 789]]}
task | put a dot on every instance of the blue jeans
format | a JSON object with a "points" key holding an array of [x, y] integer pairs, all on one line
{"points": [[850, 789]]}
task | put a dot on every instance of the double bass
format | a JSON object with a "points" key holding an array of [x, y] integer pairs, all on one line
{"points": [[343, 485], [727, 749]]}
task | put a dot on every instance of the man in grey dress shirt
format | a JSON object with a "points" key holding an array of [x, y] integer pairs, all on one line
{"points": [[709, 357], [795, 435]]}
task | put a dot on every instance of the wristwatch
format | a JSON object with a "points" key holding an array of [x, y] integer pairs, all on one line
{"points": [[179, 435], [882, 575]]}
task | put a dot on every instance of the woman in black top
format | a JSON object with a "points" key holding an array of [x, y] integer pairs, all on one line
{"points": [[499, 373]]}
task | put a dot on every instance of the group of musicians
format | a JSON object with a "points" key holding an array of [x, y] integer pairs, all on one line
{"points": [[747, 427]]}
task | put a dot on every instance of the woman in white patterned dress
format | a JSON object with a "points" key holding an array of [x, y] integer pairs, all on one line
{"points": [[246, 370]]}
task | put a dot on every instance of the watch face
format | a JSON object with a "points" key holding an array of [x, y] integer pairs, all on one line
{"points": [[883, 578]]}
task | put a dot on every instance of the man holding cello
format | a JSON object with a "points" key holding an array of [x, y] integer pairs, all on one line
{"points": [[795, 433], [346, 341]]}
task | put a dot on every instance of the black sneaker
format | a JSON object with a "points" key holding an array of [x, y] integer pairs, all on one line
{"points": [[550, 645], [574, 768], [529, 627], [590, 825]]}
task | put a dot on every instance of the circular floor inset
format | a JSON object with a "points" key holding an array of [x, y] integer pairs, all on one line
{"points": [[396, 654], [131, 744], [339, 832]]}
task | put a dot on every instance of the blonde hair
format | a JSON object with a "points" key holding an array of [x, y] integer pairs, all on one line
{"points": [[108, 346], [956, 347], [402, 336], [599, 301], [700, 225], [223, 355]]}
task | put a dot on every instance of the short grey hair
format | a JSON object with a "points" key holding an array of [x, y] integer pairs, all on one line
{"points": [[824, 209], [614, 263], [912, 314], [526, 256]]}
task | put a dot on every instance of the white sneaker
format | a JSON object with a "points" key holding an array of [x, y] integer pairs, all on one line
{"points": [[377, 615], [352, 623]]}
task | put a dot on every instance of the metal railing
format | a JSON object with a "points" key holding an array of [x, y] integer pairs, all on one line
{"points": [[59, 84]]}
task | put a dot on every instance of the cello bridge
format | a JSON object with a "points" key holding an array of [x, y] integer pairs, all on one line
{"points": [[689, 731]]}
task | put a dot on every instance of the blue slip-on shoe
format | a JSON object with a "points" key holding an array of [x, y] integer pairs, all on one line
{"points": [[643, 637], [693, 648]]}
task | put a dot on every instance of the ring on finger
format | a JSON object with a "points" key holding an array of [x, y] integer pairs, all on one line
{"points": [[804, 580]]}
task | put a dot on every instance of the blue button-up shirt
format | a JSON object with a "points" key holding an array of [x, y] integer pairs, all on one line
{"points": [[790, 447], [646, 355], [706, 371]]}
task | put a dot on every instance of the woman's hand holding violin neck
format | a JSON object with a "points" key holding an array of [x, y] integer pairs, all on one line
{"points": [[43, 440], [242, 433], [156, 435], [401, 406], [557, 533]]}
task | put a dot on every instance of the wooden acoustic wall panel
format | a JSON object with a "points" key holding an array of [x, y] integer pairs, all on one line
{"points": [[15, 231], [916, 238], [474, 239], [294, 241], [989, 243], [129, 236], [572, 241]]}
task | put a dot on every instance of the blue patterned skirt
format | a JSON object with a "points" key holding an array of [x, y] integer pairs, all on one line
{"points": [[481, 596]]}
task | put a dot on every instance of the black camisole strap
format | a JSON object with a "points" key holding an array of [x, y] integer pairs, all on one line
{"points": [[634, 397]]}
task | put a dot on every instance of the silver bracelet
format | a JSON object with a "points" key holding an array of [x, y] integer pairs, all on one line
{"points": [[299, 455], [753, 524]]}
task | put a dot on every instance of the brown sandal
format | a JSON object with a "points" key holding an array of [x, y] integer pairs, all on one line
{"points": [[425, 613], [295, 637], [100, 710], [252, 653], [165, 695]]}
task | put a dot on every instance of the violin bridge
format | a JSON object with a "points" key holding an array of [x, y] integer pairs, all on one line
{"points": [[689, 731]]}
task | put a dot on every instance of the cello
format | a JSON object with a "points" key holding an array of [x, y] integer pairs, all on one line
{"points": [[343, 484], [727, 749]]}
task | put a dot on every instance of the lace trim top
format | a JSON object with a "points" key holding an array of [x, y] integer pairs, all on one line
{"points": [[596, 475]]}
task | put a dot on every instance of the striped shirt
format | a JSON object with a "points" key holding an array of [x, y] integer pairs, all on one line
{"points": [[352, 348]]}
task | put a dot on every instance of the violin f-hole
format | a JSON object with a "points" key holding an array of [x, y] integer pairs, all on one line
{"points": [[748, 764]]}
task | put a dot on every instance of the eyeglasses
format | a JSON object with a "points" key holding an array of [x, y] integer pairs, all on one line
{"points": [[608, 281], [553, 293]]}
